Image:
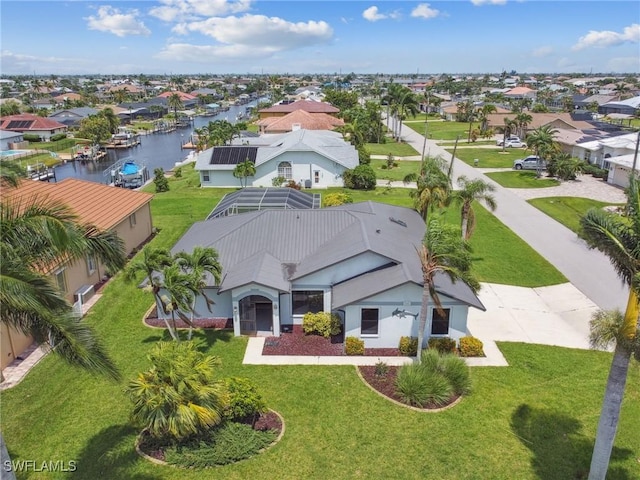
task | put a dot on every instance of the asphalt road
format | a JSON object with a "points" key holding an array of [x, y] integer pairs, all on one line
{"points": [[588, 270]]}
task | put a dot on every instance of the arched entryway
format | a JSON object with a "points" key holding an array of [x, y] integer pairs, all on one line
{"points": [[256, 315]]}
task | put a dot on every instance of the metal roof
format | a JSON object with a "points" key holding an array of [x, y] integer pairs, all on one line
{"points": [[259, 198]]}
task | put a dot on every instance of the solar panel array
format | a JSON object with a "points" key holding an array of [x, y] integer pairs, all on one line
{"points": [[250, 199], [19, 124], [233, 155]]}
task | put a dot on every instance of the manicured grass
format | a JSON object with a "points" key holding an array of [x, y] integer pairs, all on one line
{"points": [[441, 130], [489, 157], [398, 173], [522, 179], [567, 210], [397, 149]]}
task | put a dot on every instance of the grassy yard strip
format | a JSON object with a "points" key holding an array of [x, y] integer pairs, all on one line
{"points": [[397, 149], [567, 210], [522, 179], [441, 130], [489, 157], [398, 173]]}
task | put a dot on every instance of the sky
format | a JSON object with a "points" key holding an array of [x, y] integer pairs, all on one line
{"points": [[175, 37]]}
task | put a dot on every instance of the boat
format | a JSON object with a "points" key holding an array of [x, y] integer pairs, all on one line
{"points": [[130, 175]]}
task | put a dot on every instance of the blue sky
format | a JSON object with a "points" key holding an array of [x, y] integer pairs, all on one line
{"points": [[249, 36]]}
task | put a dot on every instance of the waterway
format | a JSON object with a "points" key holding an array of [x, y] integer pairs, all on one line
{"points": [[156, 150]]}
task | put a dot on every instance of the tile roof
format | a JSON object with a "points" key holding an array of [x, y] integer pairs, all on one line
{"points": [[310, 106], [26, 122], [183, 96], [305, 120], [101, 205]]}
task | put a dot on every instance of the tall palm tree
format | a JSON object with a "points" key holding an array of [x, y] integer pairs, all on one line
{"points": [[443, 252], [38, 233], [509, 126], [201, 263], [174, 102], [483, 115], [181, 290], [618, 237], [542, 142], [522, 121], [433, 187], [469, 191]]}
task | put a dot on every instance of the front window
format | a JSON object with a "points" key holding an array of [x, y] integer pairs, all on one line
{"points": [[61, 281], [305, 301], [91, 264], [284, 170], [440, 322], [132, 220], [205, 177], [369, 321]]}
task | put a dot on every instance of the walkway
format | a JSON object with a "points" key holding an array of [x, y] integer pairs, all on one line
{"points": [[589, 270]]}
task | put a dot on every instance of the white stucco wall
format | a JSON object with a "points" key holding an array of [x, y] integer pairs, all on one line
{"points": [[221, 309]]}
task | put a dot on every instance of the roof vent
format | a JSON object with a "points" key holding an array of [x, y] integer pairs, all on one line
{"points": [[399, 222], [295, 126]]}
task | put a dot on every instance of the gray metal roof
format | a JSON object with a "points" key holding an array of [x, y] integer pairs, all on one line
{"points": [[275, 247], [262, 198]]}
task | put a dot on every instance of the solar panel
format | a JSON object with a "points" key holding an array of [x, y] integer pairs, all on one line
{"points": [[19, 124], [233, 155]]}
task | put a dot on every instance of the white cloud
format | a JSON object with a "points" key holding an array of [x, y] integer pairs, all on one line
{"points": [[372, 14], [263, 32], [488, 2], [424, 10], [624, 64], [606, 38], [542, 52], [210, 53], [17, 63], [172, 10], [111, 20]]}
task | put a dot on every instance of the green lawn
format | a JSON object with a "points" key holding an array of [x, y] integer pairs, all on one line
{"points": [[566, 210], [489, 157], [440, 130], [404, 168], [522, 179], [397, 149]]}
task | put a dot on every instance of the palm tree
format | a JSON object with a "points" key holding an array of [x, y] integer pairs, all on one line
{"points": [[181, 290], [523, 120], [244, 170], [174, 102], [483, 115], [37, 233], [443, 252], [469, 191], [433, 187], [618, 237], [201, 262], [179, 396], [541, 139], [509, 126]]}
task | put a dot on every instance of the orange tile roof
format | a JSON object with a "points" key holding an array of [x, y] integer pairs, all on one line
{"points": [[101, 205], [310, 106], [182, 95], [308, 121], [37, 122]]}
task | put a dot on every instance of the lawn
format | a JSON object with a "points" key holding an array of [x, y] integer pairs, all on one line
{"points": [[522, 179], [397, 149], [441, 130], [489, 157], [403, 168], [567, 210]]}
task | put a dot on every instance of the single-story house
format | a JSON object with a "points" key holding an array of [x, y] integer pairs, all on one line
{"points": [[358, 261], [630, 106], [73, 116], [126, 212], [311, 158], [308, 105], [620, 169], [8, 139], [600, 151], [299, 119], [28, 123]]}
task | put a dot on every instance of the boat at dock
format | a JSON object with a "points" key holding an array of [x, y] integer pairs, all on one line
{"points": [[124, 138], [127, 173]]}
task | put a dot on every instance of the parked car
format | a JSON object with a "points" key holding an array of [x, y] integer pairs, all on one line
{"points": [[511, 142], [532, 162]]}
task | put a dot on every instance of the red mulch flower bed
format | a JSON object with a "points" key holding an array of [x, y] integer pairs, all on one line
{"points": [[220, 323], [386, 385]]}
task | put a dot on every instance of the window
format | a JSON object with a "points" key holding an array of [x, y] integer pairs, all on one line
{"points": [[587, 156], [284, 170], [91, 264], [440, 322], [61, 281], [132, 220], [305, 301], [369, 321], [205, 176], [316, 176]]}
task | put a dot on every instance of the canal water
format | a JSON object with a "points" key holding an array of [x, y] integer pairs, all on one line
{"points": [[157, 150]]}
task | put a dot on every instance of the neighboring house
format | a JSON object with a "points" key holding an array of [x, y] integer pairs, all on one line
{"points": [[520, 93], [600, 151], [27, 123], [310, 106], [126, 212], [299, 119], [312, 158], [73, 116], [629, 106], [358, 261], [620, 169], [8, 140], [554, 120]]}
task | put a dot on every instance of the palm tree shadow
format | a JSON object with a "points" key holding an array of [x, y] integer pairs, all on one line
{"points": [[560, 450], [111, 454], [208, 337]]}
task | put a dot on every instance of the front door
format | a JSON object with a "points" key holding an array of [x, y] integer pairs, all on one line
{"points": [[255, 315]]}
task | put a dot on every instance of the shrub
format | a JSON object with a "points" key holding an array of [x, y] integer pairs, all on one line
{"points": [[321, 323], [443, 344], [470, 347], [177, 172], [293, 184], [410, 385], [456, 371], [408, 346], [360, 178], [161, 182], [335, 199], [244, 401], [30, 137], [354, 346], [438, 388], [278, 181], [381, 369], [58, 136]]}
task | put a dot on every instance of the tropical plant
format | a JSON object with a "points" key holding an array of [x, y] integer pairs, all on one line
{"points": [[443, 252], [243, 170], [509, 126], [542, 142], [39, 234], [178, 396], [360, 178], [174, 102], [469, 191], [433, 187], [565, 167], [618, 237], [160, 181], [180, 290], [522, 121]]}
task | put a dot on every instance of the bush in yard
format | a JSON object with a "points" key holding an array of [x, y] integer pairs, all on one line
{"points": [[58, 136], [161, 182], [243, 400], [381, 369], [335, 199], [177, 173], [456, 371], [360, 178], [410, 385], [321, 323], [408, 346], [443, 344], [30, 137], [470, 347], [354, 346]]}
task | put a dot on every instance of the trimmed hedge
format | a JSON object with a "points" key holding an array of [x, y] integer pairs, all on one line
{"points": [[321, 323], [354, 346], [408, 346], [443, 344], [471, 347]]}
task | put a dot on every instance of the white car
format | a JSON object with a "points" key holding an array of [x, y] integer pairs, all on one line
{"points": [[512, 142]]}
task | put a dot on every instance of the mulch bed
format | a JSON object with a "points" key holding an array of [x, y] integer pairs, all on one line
{"points": [[386, 385], [267, 421], [218, 322]]}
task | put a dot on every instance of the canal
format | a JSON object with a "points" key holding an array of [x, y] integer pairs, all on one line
{"points": [[157, 150]]}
